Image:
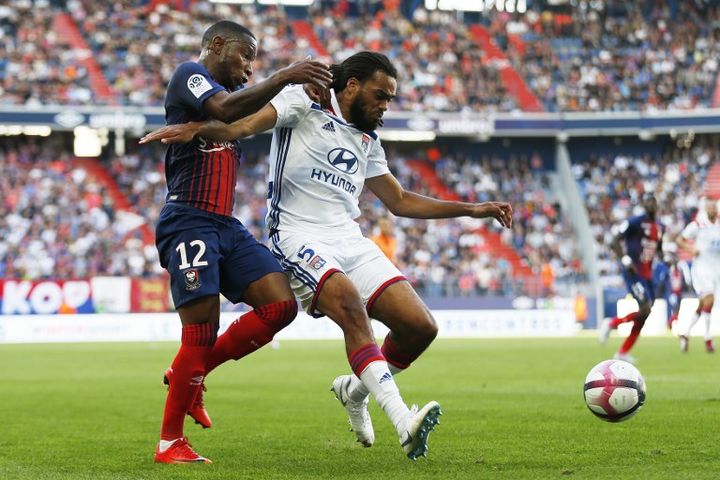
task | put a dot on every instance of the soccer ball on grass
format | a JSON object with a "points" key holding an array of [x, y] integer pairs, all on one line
{"points": [[614, 390]]}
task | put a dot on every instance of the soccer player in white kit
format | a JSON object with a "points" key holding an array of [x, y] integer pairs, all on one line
{"points": [[320, 160], [705, 270]]}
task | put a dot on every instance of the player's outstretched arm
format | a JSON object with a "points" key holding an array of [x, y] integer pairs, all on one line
{"points": [[685, 245], [214, 129], [229, 107], [409, 204]]}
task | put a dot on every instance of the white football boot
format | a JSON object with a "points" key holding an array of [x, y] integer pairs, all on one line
{"points": [[418, 428], [358, 414]]}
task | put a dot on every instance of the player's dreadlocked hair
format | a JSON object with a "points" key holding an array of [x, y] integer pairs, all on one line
{"points": [[225, 29], [362, 66]]}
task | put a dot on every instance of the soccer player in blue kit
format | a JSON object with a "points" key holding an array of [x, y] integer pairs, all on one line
{"points": [[642, 236], [203, 247]]}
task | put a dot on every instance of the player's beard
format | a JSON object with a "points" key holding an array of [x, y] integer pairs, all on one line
{"points": [[358, 116]]}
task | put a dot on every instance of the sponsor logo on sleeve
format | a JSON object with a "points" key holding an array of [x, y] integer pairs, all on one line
{"points": [[365, 143], [198, 84]]}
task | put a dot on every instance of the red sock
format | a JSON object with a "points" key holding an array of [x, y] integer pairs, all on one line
{"points": [[250, 332], [188, 373], [396, 357], [627, 318], [632, 338], [364, 356]]}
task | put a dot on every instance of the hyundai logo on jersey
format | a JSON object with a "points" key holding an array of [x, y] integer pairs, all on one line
{"points": [[344, 160]]}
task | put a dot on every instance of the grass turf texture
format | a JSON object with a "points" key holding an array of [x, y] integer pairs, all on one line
{"points": [[513, 409]]}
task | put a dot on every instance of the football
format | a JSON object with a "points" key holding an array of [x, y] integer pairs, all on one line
{"points": [[614, 390]]}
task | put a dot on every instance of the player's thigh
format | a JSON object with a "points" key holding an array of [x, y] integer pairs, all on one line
{"points": [[704, 279], [189, 249], [641, 289], [369, 269], [310, 265], [201, 310], [249, 272]]}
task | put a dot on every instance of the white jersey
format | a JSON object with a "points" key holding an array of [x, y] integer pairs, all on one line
{"points": [[707, 238], [318, 167]]}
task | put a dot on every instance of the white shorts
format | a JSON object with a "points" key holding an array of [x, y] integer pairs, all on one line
{"points": [[705, 277], [308, 262]]}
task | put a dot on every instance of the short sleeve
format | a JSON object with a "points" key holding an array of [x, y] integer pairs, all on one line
{"points": [[190, 86], [690, 231], [629, 227], [377, 163], [291, 105]]}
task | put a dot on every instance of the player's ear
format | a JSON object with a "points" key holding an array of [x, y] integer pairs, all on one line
{"points": [[352, 86], [217, 44]]}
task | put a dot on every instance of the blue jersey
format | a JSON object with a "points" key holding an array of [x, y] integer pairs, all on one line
{"points": [[642, 238], [200, 174]]}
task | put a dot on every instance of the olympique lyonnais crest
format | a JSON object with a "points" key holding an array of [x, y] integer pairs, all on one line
{"points": [[317, 262], [192, 279], [365, 143]]}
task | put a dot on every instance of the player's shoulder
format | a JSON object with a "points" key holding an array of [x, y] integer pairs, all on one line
{"points": [[295, 93], [636, 220], [187, 69]]}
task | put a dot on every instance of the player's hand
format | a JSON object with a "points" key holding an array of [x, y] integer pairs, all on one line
{"points": [[500, 211], [628, 265], [318, 95], [178, 133], [308, 71]]}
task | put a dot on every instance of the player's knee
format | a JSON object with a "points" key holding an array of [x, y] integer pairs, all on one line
{"points": [[278, 315], [427, 329]]}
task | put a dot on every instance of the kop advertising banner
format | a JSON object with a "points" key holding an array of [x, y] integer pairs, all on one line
{"points": [[25, 297]]}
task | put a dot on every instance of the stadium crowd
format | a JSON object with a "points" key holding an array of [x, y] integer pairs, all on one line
{"points": [[658, 55], [37, 66], [643, 55], [59, 220]]}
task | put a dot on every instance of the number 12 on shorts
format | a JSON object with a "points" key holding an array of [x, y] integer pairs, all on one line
{"points": [[197, 260]]}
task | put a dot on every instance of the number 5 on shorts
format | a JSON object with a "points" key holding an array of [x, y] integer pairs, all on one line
{"points": [[197, 260]]}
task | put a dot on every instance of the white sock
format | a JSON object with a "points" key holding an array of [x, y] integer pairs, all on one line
{"points": [[707, 326], [165, 444], [693, 321], [357, 391], [379, 381]]}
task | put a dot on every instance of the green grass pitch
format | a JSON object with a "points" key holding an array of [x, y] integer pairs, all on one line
{"points": [[513, 409]]}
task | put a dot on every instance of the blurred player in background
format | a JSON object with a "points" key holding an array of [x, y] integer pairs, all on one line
{"points": [[701, 238], [320, 161], [642, 236], [669, 283], [203, 247]]}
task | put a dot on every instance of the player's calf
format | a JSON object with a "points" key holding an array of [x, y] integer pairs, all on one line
{"points": [[197, 410]]}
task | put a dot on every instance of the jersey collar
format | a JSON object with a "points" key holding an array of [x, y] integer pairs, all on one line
{"points": [[335, 107]]}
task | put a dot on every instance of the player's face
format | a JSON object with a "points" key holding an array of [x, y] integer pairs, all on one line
{"points": [[236, 60], [650, 205], [712, 209], [371, 100]]}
